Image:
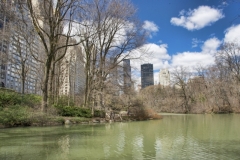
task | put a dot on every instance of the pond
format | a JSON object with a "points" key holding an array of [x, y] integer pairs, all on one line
{"points": [[173, 137]]}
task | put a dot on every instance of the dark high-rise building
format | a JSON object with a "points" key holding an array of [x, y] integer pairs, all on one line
{"points": [[147, 75], [127, 73]]}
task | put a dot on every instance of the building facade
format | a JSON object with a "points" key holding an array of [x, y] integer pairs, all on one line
{"points": [[19, 69], [72, 76], [164, 77], [115, 79], [127, 82], [4, 41], [147, 75]]}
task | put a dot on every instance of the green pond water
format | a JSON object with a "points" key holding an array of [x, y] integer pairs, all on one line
{"points": [[174, 137]]}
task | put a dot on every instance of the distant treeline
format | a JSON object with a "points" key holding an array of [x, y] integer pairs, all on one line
{"points": [[215, 89]]}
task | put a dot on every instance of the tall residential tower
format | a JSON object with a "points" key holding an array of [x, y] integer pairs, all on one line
{"points": [[19, 70], [127, 73], [72, 76], [164, 77]]}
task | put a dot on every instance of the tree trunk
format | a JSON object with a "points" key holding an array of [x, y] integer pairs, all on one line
{"points": [[45, 86], [23, 80], [51, 92], [86, 91]]}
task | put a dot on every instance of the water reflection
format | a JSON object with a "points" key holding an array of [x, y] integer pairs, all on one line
{"points": [[121, 142], [174, 137], [138, 149], [64, 146], [158, 148]]}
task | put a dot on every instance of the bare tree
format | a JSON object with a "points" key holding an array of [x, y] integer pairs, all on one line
{"points": [[116, 34], [50, 18], [229, 57], [180, 77]]}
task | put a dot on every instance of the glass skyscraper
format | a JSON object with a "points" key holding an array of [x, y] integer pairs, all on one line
{"points": [[146, 75]]}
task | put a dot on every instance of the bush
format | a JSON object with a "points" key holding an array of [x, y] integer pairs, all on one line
{"points": [[140, 112], [98, 113], [73, 111], [63, 101], [152, 114], [39, 117], [10, 98], [15, 116], [31, 100]]}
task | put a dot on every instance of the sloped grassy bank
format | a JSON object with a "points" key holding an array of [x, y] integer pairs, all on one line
{"points": [[23, 110]]}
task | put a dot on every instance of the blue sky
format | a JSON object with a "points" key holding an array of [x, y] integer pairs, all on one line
{"points": [[187, 32]]}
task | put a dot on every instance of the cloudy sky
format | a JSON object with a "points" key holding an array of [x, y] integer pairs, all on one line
{"points": [[187, 32]]}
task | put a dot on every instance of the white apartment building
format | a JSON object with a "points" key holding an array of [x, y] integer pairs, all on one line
{"points": [[72, 76], [164, 77]]}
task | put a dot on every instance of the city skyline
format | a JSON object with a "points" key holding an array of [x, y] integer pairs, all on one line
{"points": [[186, 33]]}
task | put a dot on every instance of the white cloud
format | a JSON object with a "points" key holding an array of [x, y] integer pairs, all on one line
{"points": [[73, 30], [191, 59], [182, 12], [150, 27], [195, 42], [210, 46], [121, 35], [198, 18], [223, 4], [149, 53], [232, 34], [89, 27], [204, 58], [157, 51]]}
